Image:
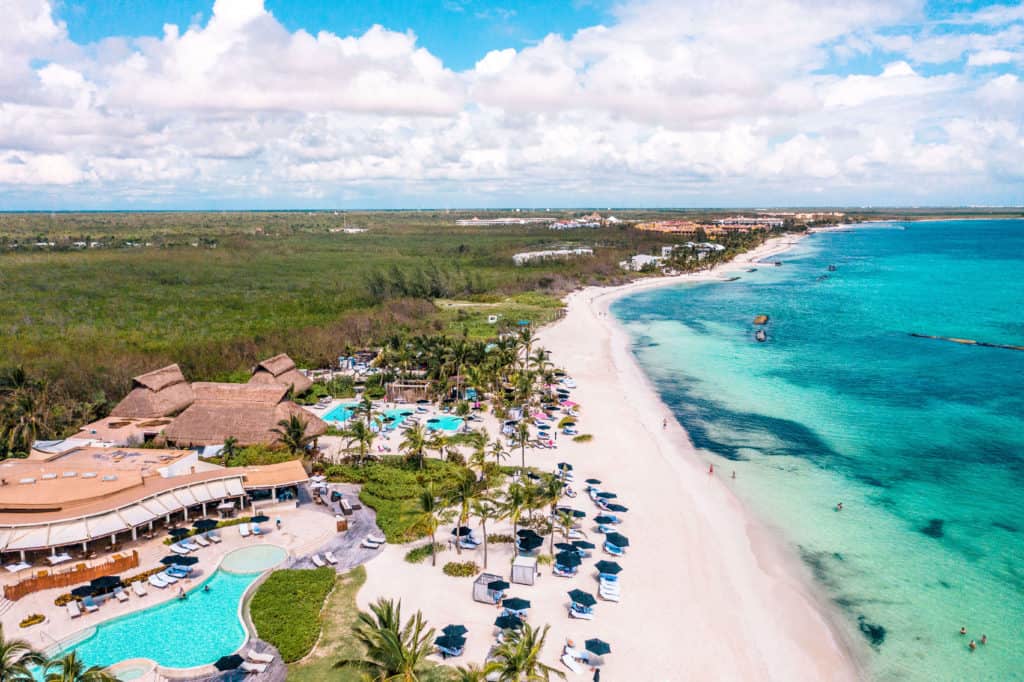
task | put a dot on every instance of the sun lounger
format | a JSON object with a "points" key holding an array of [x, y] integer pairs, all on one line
{"points": [[254, 655], [139, 589], [575, 534], [90, 605], [201, 541], [189, 545], [73, 610], [563, 572], [169, 579], [251, 667], [572, 664], [609, 596], [155, 581], [377, 538], [318, 561], [178, 549], [331, 559], [243, 530], [121, 595], [613, 550], [178, 572], [255, 529], [575, 612], [213, 537], [370, 544], [449, 653], [346, 507]]}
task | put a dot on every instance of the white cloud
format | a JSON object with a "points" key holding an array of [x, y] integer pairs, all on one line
{"points": [[698, 102]]}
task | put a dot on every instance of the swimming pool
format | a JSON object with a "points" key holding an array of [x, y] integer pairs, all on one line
{"points": [[341, 413], [189, 632], [444, 422]]}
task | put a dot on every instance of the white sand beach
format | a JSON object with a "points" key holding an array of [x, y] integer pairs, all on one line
{"points": [[707, 591]]}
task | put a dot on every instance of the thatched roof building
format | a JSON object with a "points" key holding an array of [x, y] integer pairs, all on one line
{"points": [[248, 412], [280, 369], [160, 393]]}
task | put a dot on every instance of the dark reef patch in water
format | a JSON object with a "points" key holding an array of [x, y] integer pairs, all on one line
{"points": [[1009, 527], [934, 528], [874, 632]]}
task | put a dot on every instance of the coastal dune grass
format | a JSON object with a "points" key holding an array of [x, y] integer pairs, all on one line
{"points": [[286, 609]]}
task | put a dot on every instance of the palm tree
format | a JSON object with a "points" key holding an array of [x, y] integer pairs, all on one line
{"points": [[17, 657], [471, 673], [414, 442], [394, 652], [229, 450], [486, 510], [463, 496], [478, 440], [512, 505], [561, 523], [438, 442], [518, 656], [70, 668], [522, 434], [498, 452], [526, 339], [359, 434], [431, 514], [291, 433], [365, 408]]}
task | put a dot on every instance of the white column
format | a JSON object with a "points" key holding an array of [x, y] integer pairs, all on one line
{"points": [[135, 533]]}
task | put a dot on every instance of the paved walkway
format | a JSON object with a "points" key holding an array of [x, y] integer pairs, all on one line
{"points": [[345, 546]]}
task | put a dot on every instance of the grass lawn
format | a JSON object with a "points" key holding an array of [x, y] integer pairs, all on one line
{"points": [[286, 609], [336, 642]]}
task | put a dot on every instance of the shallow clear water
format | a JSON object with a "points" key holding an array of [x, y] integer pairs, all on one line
{"points": [[444, 422], [922, 440], [341, 413], [190, 632]]}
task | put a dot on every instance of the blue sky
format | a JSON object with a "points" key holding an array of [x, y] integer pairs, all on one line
{"points": [[448, 103]]}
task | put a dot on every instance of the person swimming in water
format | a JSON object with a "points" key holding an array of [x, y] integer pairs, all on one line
{"points": [[984, 638], [839, 507], [206, 587], [972, 645], [963, 630]]}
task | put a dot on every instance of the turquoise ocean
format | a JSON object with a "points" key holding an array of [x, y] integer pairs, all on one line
{"points": [[921, 440]]}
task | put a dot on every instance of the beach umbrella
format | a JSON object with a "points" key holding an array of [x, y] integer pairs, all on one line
{"points": [[455, 630], [179, 532], [498, 586], [609, 567], [260, 518], [594, 481], [530, 543], [462, 531], [532, 476], [598, 647], [175, 560], [603, 519], [106, 582], [228, 662], [568, 559], [565, 466], [508, 622], [516, 603], [607, 496], [565, 546], [544, 427], [617, 539], [450, 642], [582, 598], [526, 532], [617, 508], [583, 544], [205, 524], [83, 591]]}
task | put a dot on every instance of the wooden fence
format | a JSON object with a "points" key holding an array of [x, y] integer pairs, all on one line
{"points": [[80, 573]]}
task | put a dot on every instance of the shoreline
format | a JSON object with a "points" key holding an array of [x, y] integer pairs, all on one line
{"points": [[787, 628]]}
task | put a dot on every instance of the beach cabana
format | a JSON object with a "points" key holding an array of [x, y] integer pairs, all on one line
{"points": [[524, 570], [482, 591]]}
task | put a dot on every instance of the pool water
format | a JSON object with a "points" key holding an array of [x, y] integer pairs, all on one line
{"points": [[341, 413], [444, 422], [190, 632]]}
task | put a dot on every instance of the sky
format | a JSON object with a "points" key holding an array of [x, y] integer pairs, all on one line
{"points": [[233, 104]]}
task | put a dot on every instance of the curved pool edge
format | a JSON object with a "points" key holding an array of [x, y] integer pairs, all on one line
{"points": [[204, 670]]}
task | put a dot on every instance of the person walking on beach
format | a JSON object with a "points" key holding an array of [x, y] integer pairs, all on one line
{"points": [[711, 470], [664, 424], [597, 675]]}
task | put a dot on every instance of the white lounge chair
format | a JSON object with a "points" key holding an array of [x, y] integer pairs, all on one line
{"points": [[73, 609], [120, 594], [155, 581], [370, 544], [318, 561], [189, 545], [254, 655], [169, 579], [139, 589], [213, 537], [243, 530], [251, 667], [377, 538], [201, 541], [178, 549], [572, 664], [255, 529], [90, 605], [331, 559], [610, 596], [582, 615]]}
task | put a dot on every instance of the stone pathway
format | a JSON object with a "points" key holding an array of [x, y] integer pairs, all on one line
{"points": [[345, 546]]}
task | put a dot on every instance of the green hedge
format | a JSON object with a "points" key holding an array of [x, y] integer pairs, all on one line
{"points": [[286, 609], [418, 555], [461, 569]]}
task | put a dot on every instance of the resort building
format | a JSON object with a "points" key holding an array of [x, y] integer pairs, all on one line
{"points": [[160, 393], [640, 261], [743, 223], [281, 369], [247, 412], [528, 256], [79, 500], [671, 226]]}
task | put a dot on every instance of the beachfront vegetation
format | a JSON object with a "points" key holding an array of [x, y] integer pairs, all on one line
{"points": [[393, 649], [70, 668], [286, 609], [518, 656], [417, 555], [17, 658], [461, 569]]}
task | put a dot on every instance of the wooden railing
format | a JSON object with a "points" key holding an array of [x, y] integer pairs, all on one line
{"points": [[81, 573]]}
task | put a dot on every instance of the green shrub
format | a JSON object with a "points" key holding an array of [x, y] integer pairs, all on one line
{"points": [[544, 559], [500, 537], [461, 569], [418, 555], [34, 619], [583, 438], [286, 609]]}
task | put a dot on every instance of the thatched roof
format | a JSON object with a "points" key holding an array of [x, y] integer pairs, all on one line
{"points": [[280, 369], [160, 393], [248, 412]]}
